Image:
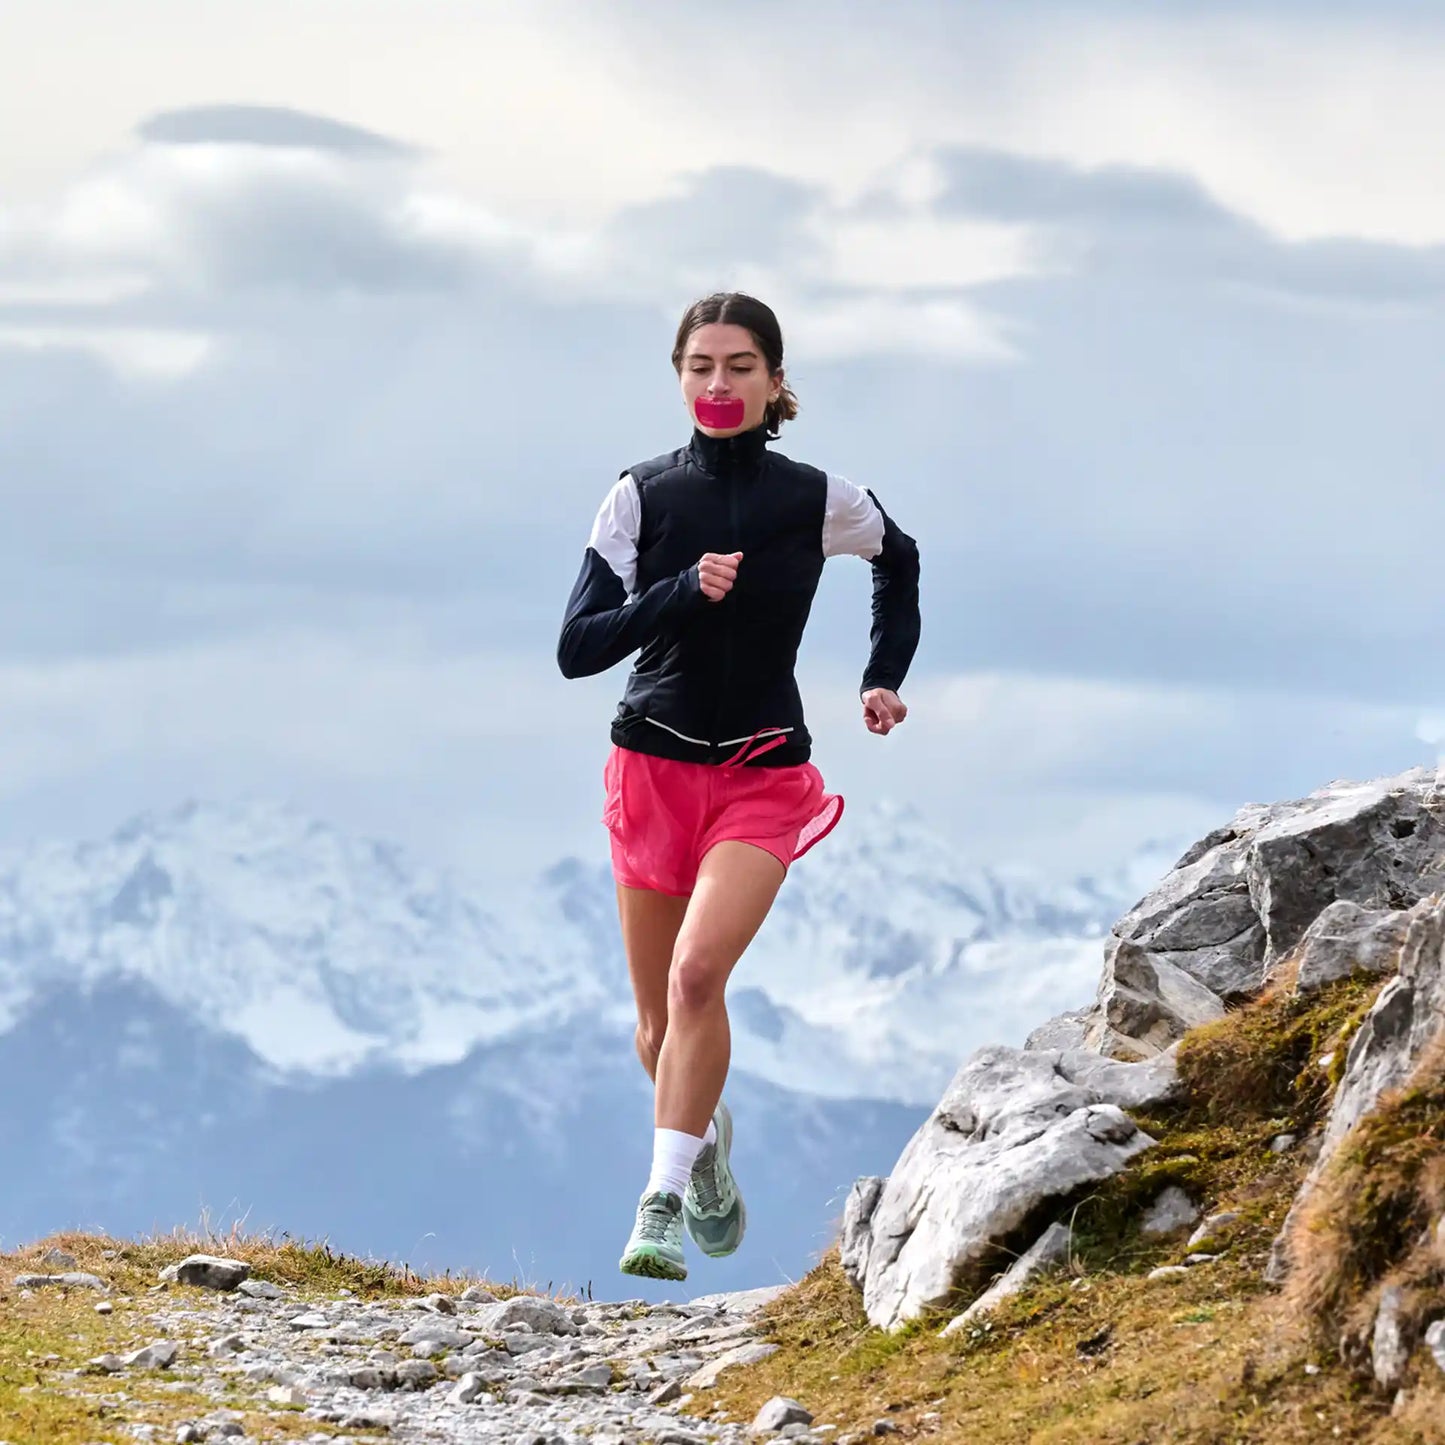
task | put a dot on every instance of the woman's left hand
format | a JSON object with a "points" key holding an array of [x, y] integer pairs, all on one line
{"points": [[882, 710]]}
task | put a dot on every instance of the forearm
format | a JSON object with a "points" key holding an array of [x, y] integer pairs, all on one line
{"points": [[896, 620], [602, 627]]}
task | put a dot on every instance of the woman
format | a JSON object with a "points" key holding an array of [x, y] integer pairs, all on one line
{"points": [[707, 559]]}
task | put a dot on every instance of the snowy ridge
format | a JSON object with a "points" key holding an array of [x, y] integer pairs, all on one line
{"points": [[882, 964]]}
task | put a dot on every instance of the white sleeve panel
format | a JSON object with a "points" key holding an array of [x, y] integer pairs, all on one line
{"points": [[852, 521], [615, 532]]}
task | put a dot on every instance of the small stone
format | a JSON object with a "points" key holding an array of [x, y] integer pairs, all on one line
{"points": [[72, 1279], [416, 1374], [107, 1363], [309, 1321], [159, 1355], [544, 1316], [884, 1427], [665, 1394], [105, 1308], [1435, 1342], [189, 1434], [368, 1420], [441, 1303], [751, 1354], [207, 1271], [260, 1289], [468, 1388], [438, 1332], [1311, 1368], [1281, 1142], [474, 1294], [1389, 1350], [58, 1259], [1172, 1210], [285, 1395], [796, 1431], [1213, 1224], [781, 1410], [1168, 1271], [226, 1345], [1192, 1259], [1325, 1060]]}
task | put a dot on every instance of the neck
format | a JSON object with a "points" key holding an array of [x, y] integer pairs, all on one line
{"points": [[720, 454]]}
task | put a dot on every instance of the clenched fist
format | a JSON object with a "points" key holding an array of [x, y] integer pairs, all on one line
{"points": [[717, 571], [882, 710]]}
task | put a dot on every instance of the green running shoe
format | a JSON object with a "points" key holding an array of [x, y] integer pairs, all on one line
{"points": [[655, 1249], [712, 1208]]}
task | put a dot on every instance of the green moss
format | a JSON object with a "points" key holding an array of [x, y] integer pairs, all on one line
{"points": [[1262, 1060]]}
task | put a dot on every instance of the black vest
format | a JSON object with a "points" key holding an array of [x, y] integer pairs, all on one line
{"points": [[702, 690]]}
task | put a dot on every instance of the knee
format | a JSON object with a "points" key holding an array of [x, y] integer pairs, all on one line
{"points": [[695, 984]]}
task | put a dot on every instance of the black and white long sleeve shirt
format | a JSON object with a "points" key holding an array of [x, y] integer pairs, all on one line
{"points": [[711, 675]]}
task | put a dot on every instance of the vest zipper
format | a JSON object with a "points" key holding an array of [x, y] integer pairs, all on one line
{"points": [[725, 672]]}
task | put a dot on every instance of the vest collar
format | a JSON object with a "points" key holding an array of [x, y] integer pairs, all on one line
{"points": [[717, 455]]}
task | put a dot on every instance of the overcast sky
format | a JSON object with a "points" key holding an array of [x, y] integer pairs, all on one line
{"points": [[325, 326]]}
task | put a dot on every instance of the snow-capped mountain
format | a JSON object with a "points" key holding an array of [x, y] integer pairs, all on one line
{"points": [[236, 1008], [881, 965]]}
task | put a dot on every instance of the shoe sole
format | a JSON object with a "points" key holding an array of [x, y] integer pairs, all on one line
{"points": [[742, 1209], [649, 1263]]}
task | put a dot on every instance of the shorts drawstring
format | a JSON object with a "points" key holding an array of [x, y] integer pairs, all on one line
{"points": [[744, 756]]}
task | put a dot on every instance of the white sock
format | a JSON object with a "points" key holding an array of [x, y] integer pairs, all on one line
{"points": [[711, 1136], [673, 1155]]}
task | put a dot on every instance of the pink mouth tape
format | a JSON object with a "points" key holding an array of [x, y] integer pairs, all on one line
{"points": [[719, 414]]}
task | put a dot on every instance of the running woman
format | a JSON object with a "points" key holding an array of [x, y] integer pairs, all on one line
{"points": [[707, 559]]}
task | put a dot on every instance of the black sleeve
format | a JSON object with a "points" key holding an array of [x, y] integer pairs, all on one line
{"points": [[896, 621], [602, 627]]}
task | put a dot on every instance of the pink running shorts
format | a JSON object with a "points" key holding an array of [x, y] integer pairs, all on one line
{"points": [[664, 815]]}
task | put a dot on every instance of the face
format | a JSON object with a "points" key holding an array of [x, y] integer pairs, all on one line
{"points": [[722, 363]]}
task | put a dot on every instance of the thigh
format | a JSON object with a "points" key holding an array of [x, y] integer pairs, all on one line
{"points": [[736, 886], [650, 924]]}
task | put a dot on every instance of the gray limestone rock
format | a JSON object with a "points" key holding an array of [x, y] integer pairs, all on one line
{"points": [[779, 1412], [207, 1271], [1248, 893], [1063, 1031], [544, 1316], [707, 1377], [1435, 1342], [1214, 1225], [260, 1289], [1015, 1130], [71, 1279], [1345, 937], [1389, 1342], [1172, 1210]]}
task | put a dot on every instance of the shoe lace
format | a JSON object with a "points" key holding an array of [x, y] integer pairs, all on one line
{"points": [[654, 1215], [704, 1182]]}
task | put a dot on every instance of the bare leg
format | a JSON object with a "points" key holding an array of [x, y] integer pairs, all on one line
{"points": [[736, 886], [650, 922]]}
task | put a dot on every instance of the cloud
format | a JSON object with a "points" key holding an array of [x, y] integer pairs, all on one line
{"points": [[265, 125]]}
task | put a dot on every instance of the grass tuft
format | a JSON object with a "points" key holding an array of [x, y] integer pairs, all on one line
{"points": [[1371, 1218]]}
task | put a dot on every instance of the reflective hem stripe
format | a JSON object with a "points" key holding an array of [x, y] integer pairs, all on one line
{"points": [[727, 743]]}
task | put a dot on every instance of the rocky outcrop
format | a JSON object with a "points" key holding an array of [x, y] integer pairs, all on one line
{"points": [[1246, 894], [1406, 1019], [1016, 1130], [1350, 877]]}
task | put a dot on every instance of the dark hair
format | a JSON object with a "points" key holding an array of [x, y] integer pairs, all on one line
{"points": [[734, 308]]}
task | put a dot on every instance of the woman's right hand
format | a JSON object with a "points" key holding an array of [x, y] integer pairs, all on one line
{"points": [[716, 573]]}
